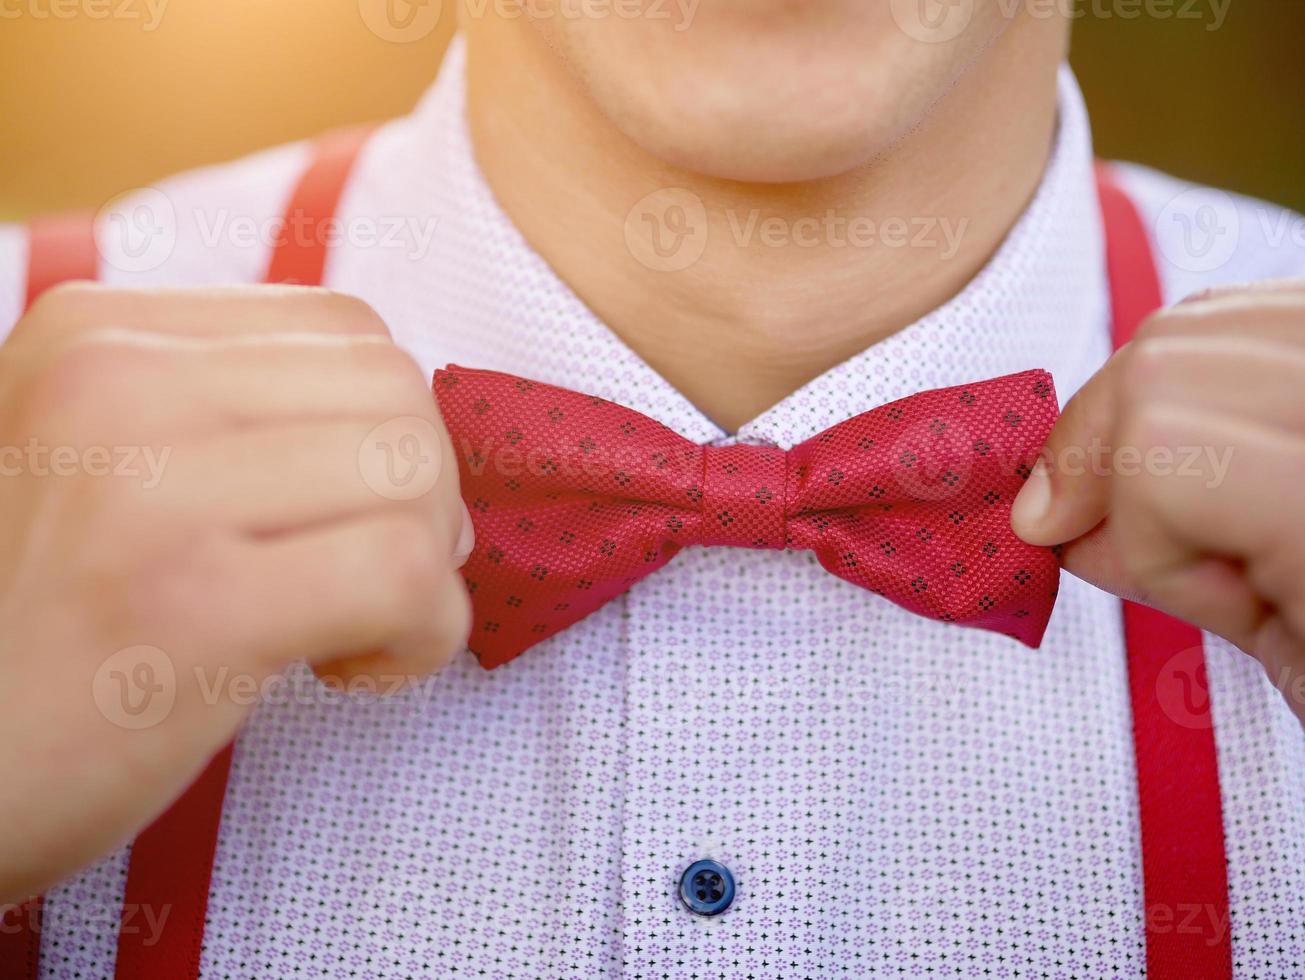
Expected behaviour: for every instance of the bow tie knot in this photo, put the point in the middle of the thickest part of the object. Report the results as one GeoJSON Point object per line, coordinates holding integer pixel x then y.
{"type": "Point", "coordinates": [743, 494]}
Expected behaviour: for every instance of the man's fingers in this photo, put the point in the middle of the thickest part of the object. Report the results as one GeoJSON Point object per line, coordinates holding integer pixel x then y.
{"type": "Point", "coordinates": [274, 480]}
{"type": "Point", "coordinates": [1185, 351]}
{"type": "Point", "coordinates": [1095, 557]}
{"type": "Point", "coordinates": [154, 387]}
{"type": "Point", "coordinates": [1292, 290]}
{"type": "Point", "coordinates": [1200, 541]}
{"type": "Point", "coordinates": [1154, 477]}
{"type": "Point", "coordinates": [66, 311]}
{"type": "Point", "coordinates": [1068, 492]}
{"type": "Point", "coordinates": [377, 583]}
{"type": "Point", "coordinates": [1248, 377]}
{"type": "Point", "coordinates": [1175, 535]}
{"type": "Point", "coordinates": [1216, 588]}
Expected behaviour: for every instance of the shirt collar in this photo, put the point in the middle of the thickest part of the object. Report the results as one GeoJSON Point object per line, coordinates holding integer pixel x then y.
{"type": "Point", "coordinates": [1040, 302]}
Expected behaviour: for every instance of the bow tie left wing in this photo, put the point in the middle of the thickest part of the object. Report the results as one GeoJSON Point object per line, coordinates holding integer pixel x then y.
{"type": "Point", "coordinates": [574, 499]}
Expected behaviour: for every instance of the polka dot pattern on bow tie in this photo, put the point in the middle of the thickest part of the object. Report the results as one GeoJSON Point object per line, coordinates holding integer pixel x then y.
{"type": "Point", "coordinates": [575, 499]}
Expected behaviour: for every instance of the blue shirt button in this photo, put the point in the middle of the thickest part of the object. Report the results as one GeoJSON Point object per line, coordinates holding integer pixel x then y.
{"type": "Point", "coordinates": [707, 888]}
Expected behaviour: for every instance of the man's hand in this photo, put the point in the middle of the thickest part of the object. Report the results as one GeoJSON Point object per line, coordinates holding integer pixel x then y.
{"type": "Point", "coordinates": [1177, 475]}
{"type": "Point", "coordinates": [196, 489]}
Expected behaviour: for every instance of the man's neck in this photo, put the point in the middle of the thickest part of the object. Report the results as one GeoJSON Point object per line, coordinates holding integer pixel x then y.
{"type": "Point", "coordinates": [791, 279]}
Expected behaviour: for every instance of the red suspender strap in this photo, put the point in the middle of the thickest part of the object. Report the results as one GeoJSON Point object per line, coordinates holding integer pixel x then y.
{"type": "Point", "coordinates": [1184, 867]}
{"type": "Point", "coordinates": [168, 875]}
{"type": "Point", "coordinates": [60, 248]}
{"type": "Point", "coordinates": [300, 253]}
{"type": "Point", "coordinates": [171, 862]}
{"type": "Point", "coordinates": [20, 940]}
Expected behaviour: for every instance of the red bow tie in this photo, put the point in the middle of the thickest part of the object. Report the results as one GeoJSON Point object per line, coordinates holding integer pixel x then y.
{"type": "Point", "coordinates": [575, 499]}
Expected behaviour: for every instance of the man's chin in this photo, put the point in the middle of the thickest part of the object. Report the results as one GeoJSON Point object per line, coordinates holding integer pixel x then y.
{"type": "Point", "coordinates": [764, 112]}
{"type": "Point", "coordinates": [761, 141]}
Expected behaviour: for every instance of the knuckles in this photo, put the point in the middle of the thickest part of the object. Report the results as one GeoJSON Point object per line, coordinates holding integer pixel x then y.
{"type": "Point", "coordinates": [357, 312]}
{"type": "Point", "coordinates": [146, 573]}
{"type": "Point", "coordinates": [429, 593]}
{"type": "Point", "coordinates": [68, 302]}
{"type": "Point", "coordinates": [317, 304]}
{"type": "Point", "coordinates": [412, 551]}
{"type": "Point", "coordinates": [457, 621]}
{"type": "Point", "coordinates": [167, 595]}
{"type": "Point", "coordinates": [79, 373]}
{"type": "Point", "coordinates": [390, 368]}
{"type": "Point", "coordinates": [1191, 317]}
{"type": "Point", "coordinates": [88, 386]}
{"type": "Point", "coordinates": [1141, 365]}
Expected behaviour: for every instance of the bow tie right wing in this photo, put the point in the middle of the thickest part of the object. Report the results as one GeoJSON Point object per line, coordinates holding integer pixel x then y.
{"type": "Point", "coordinates": [912, 501]}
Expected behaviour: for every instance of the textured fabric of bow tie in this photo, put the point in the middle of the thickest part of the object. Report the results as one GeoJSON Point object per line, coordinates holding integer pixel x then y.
{"type": "Point", "coordinates": [575, 499]}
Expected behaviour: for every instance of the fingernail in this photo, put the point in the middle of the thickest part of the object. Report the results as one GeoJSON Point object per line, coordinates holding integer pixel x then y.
{"type": "Point", "coordinates": [1034, 500]}
{"type": "Point", "coordinates": [466, 539]}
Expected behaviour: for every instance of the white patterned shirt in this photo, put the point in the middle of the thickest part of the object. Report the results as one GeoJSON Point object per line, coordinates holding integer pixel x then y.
{"type": "Point", "coordinates": [894, 796]}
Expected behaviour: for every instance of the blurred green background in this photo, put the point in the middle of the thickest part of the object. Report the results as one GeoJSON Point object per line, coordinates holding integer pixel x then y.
{"type": "Point", "coordinates": [90, 107]}
{"type": "Point", "coordinates": [1224, 107]}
